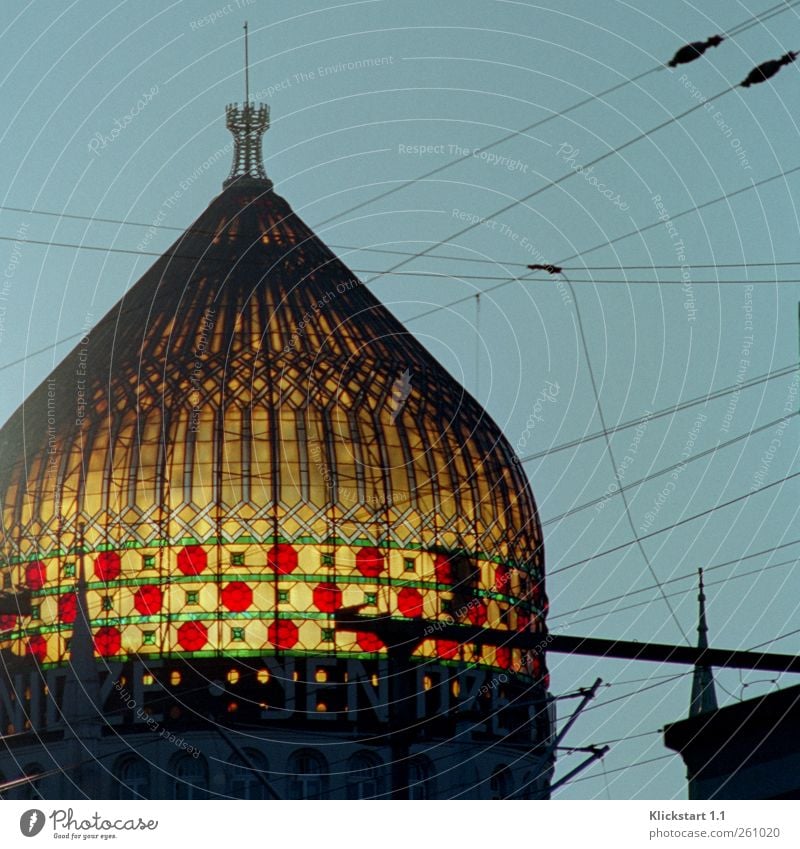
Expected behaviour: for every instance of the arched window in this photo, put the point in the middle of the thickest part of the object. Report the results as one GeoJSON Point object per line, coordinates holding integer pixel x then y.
{"type": "Point", "coordinates": [308, 775]}
{"type": "Point", "coordinates": [246, 776]}
{"type": "Point", "coordinates": [190, 777]}
{"type": "Point", "coordinates": [500, 784]}
{"type": "Point", "coordinates": [421, 784]}
{"type": "Point", "coordinates": [364, 780]}
{"type": "Point", "coordinates": [133, 778]}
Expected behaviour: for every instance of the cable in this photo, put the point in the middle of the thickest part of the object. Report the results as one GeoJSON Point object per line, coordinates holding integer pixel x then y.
{"type": "Point", "coordinates": [738, 29]}
{"type": "Point", "coordinates": [680, 464]}
{"type": "Point", "coordinates": [775, 639]}
{"type": "Point", "coordinates": [676, 524]}
{"type": "Point", "coordinates": [611, 457]}
{"type": "Point", "coordinates": [608, 242]}
{"type": "Point", "coordinates": [627, 766]}
{"type": "Point", "coordinates": [687, 590]}
{"type": "Point", "coordinates": [690, 575]}
{"type": "Point", "coordinates": [557, 181]}
{"type": "Point", "coordinates": [372, 249]}
{"type": "Point", "coordinates": [676, 408]}
{"type": "Point", "coordinates": [766, 15]}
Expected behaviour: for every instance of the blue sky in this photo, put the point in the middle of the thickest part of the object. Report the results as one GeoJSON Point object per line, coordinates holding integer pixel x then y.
{"type": "Point", "coordinates": [112, 108]}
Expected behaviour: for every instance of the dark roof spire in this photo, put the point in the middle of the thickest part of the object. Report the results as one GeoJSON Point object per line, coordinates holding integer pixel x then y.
{"type": "Point", "coordinates": [704, 697]}
{"type": "Point", "coordinates": [248, 123]}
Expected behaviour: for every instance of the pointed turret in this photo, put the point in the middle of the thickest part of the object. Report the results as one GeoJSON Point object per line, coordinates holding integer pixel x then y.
{"type": "Point", "coordinates": [704, 697]}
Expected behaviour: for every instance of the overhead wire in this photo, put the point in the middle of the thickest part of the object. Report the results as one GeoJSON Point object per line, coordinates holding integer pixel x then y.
{"type": "Point", "coordinates": [610, 452]}
{"type": "Point", "coordinates": [678, 524]}
{"type": "Point", "coordinates": [688, 576]}
{"type": "Point", "coordinates": [666, 411]}
{"type": "Point", "coordinates": [679, 465]}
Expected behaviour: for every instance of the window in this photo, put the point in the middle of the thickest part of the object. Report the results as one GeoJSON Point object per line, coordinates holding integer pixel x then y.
{"type": "Point", "coordinates": [420, 779]}
{"type": "Point", "coordinates": [308, 775]}
{"type": "Point", "coordinates": [69, 570]}
{"type": "Point", "coordinates": [148, 561]}
{"type": "Point", "coordinates": [237, 635]}
{"type": "Point", "coordinates": [328, 635]}
{"type": "Point", "coordinates": [364, 776]}
{"type": "Point", "coordinates": [149, 638]}
{"type": "Point", "coordinates": [500, 784]}
{"type": "Point", "coordinates": [327, 560]}
{"type": "Point", "coordinates": [408, 564]}
{"type": "Point", "coordinates": [237, 558]}
{"type": "Point", "coordinates": [283, 595]}
{"type": "Point", "coordinates": [246, 776]}
{"type": "Point", "coordinates": [133, 776]}
{"type": "Point", "coordinates": [370, 598]}
{"type": "Point", "coordinates": [190, 777]}
{"type": "Point", "coordinates": [192, 597]}
{"type": "Point", "coordinates": [108, 602]}
{"type": "Point", "coordinates": [34, 611]}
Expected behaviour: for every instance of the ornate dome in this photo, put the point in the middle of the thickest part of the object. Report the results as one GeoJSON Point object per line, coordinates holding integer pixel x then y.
{"type": "Point", "coordinates": [246, 442]}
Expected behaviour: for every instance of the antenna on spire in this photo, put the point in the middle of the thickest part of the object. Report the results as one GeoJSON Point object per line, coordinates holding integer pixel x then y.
{"type": "Point", "coordinates": [246, 68]}
{"type": "Point", "coordinates": [248, 123]}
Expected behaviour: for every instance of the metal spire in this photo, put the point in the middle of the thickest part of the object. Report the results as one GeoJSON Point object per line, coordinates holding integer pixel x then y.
{"type": "Point", "coordinates": [704, 697]}
{"type": "Point", "coordinates": [248, 124]}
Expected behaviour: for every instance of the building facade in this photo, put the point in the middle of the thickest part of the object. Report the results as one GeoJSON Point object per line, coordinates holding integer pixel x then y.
{"type": "Point", "coordinates": [246, 445]}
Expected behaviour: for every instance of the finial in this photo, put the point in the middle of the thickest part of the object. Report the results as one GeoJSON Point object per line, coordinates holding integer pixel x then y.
{"type": "Point", "coordinates": [246, 68]}
{"type": "Point", "coordinates": [248, 124]}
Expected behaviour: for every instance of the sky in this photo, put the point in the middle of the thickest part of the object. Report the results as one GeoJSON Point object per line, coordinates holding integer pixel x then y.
{"type": "Point", "coordinates": [114, 108]}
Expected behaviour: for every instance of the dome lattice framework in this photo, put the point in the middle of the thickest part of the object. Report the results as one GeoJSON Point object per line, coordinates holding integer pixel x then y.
{"type": "Point", "coordinates": [247, 442]}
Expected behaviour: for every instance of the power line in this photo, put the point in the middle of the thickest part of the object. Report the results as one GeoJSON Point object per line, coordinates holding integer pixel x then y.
{"type": "Point", "coordinates": [737, 30]}
{"type": "Point", "coordinates": [677, 524]}
{"type": "Point", "coordinates": [627, 766]}
{"type": "Point", "coordinates": [609, 450]}
{"type": "Point", "coordinates": [671, 468]}
{"type": "Point", "coordinates": [557, 181]}
{"type": "Point", "coordinates": [608, 242]}
{"type": "Point", "coordinates": [395, 252]}
{"type": "Point", "coordinates": [690, 575]}
{"type": "Point", "coordinates": [677, 593]}
{"type": "Point", "coordinates": [666, 411]}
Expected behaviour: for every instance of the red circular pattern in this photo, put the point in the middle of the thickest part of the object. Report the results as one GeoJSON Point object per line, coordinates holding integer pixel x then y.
{"type": "Point", "coordinates": [68, 607]}
{"type": "Point", "coordinates": [283, 634]}
{"type": "Point", "coordinates": [476, 613]}
{"type": "Point", "coordinates": [443, 569]}
{"type": "Point", "coordinates": [107, 565]}
{"type": "Point", "coordinates": [409, 602]}
{"type": "Point", "coordinates": [237, 596]}
{"type": "Point", "coordinates": [8, 621]}
{"type": "Point", "coordinates": [192, 559]}
{"type": "Point", "coordinates": [447, 649]}
{"type": "Point", "coordinates": [35, 575]}
{"type": "Point", "coordinates": [370, 562]}
{"type": "Point", "coordinates": [327, 597]}
{"type": "Point", "coordinates": [37, 647]}
{"type": "Point", "coordinates": [368, 642]}
{"type": "Point", "coordinates": [282, 558]}
{"type": "Point", "coordinates": [148, 600]}
{"type": "Point", "coordinates": [192, 636]}
{"type": "Point", "coordinates": [107, 641]}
